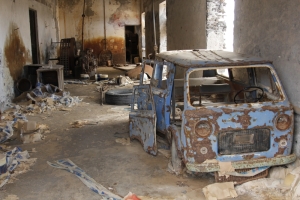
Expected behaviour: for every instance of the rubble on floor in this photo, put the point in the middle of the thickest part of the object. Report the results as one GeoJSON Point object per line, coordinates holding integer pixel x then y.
{"type": "Point", "coordinates": [217, 191]}
{"type": "Point", "coordinates": [69, 166]}
{"type": "Point", "coordinates": [13, 163]}
{"type": "Point", "coordinates": [283, 183]}
{"type": "Point", "coordinates": [81, 123]}
{"type": "Point", "coordinates": [123, 141]}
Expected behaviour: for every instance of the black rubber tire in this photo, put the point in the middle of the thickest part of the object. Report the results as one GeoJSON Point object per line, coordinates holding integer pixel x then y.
{"type": "Point", "coordinates": [118, 96]}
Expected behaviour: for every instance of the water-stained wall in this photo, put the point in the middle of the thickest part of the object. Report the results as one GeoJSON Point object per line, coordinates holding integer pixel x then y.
{"type": "Point", "coordinates": [118, 13]}
{"type": "Point", "coordinates": [15, 40]}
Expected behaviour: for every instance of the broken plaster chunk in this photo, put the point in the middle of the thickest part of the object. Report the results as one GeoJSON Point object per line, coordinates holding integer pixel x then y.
{"type": "Point", "coordinates": [123, 141]}
{"type": "Point", "coordinates": [225, 169]}
{"type": "Point", "coordinates": [32, 137]}
{"type": "Point", "coordinates": [220, 191]}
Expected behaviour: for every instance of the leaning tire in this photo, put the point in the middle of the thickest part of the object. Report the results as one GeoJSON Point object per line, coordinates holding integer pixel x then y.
{"type": "Point", "coordinates": [118, 96]}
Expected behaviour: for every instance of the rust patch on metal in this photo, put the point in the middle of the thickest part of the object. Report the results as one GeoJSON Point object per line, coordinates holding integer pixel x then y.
{"type": "Point", "coordinates": [280, 149]}
{"type": "Point", "coordinates": [203, 150]}
{"type": "Point", "coordinates": [15, 52]}
{"type": "Point", "coordinates": [275, 109]}
{"type": "Point", "coordinates": [248, 157]}
{"type": "Point", "coordinates": [245, 120]}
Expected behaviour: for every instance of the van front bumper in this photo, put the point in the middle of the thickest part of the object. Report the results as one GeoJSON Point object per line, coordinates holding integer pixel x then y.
{"type": "Point", "coordinates": [244, 164]}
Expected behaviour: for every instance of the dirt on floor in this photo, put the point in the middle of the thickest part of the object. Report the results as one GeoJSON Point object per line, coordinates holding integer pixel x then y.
{"type": "Point", "coordinates": [93, 148]}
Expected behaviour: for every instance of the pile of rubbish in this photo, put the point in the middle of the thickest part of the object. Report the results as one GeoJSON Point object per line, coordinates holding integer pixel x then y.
{"type": "Point", "coordinates": [13, 163]}
{"type": "Point", "coordinates": [43, 99]}
{"type": "Point", "coordinates": [282, 183]}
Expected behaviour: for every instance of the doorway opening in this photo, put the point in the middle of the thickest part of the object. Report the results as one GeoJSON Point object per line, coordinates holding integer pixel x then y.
{"type": "Point", "coordinates": [131, 43]}
{"type": "Point", "coordinates": [34, 37]}
{"type": "Point", "coordinates": [163, 27]}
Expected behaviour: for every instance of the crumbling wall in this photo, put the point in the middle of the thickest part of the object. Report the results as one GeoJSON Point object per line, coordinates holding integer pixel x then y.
{"type": "Point", "coordinates": [118, 13]}
{"type": "Point", "coordinates": [215, 26]}
{"type": "Point", "coordinates": [270, 29]}
{"type": "Point", "coordinates": [15, 42]}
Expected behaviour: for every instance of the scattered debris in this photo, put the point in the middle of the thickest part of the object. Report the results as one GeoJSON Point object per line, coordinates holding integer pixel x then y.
{"type": "Point", "coordinates": [131, 196]}
{"type": "Point", "coordinates": [11, 197]}
{"type": "Point", "coordinates": [81, 123]}
{"type": "Point", "coordinates": [182, 184]}
{"type": "Point", "coordinates": [166, 153]}
{"type": "Point", "coordinates": [16, 162]}
{"type": "Point", "coordinates": [135, 73]}
{"type": "Point", "coordinates": [123, 141]}
{"type": "Point", "coordinates": [283, 183]}
{"type": "Point", "coordinates": [32, 137]}
{"type": "Point", "coordinates": [76, 82]}
{"type": "Point", "coordinates": [65, 109]}
{"type": "Point", "coordinates": [220, 191]}
{"type": "Point", "coordinates": [68, 165]}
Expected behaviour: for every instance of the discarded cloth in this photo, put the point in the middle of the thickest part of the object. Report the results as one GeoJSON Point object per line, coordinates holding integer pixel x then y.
{"type": "Point", "coordinates": [68, 165]}
{"type": "Point", "coordinates": [14, 158]}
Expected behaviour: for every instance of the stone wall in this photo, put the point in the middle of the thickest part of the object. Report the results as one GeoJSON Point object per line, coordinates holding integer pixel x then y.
{"type": "Point", "coordinates": [270, 29]}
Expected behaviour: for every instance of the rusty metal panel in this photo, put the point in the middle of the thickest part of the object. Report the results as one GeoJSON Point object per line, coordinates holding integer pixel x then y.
{"type": "Point", "coordinates": [203, 126]}
{"type": "Point", "coordinates": [209, 58]}
{"type": "Point", "coordinates": [142, 118]}
{"type": "Point", "coordinates": [246, 164]}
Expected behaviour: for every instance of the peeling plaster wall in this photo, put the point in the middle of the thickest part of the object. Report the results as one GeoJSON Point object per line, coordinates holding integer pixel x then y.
{"type": "Point", "coordinates": [118, 13]}
{"type": "Point", "coordinates": [270, 29]}
{"type": "Point", "coordinates": [15, 42]}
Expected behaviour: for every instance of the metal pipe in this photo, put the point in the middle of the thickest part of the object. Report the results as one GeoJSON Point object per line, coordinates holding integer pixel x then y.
{"type": "Point", "coordinates": [104, 24]}
{"type": "Point", "coordinates": [82, 33]}
{"type": "Point", "coordinates": [154, 28]}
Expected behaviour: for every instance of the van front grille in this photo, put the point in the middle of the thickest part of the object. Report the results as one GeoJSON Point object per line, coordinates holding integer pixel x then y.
{"type": "Point", "coordinates": [243, 141]}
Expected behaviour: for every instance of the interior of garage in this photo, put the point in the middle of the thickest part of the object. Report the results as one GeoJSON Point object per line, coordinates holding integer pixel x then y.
{"type": "Point", "coordinates": [115, 34]}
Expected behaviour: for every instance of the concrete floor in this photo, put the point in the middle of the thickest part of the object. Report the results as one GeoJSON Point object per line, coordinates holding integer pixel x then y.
{"type": "Point", "coordinates": [93, 148]}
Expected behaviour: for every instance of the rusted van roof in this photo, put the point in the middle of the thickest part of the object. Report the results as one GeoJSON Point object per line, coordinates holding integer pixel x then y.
{"type": "Point", "coordinates": [209, 58]}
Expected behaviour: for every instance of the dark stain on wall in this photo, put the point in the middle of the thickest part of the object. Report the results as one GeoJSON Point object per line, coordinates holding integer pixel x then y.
{"type": "Point", "coordinates": [119, 15]}
{"type": "Point", "coordinates": [115, 44]}
{"type": "Point", "coordinates": [88, 10]}
{"type": "Point", "coordinates": [68, 4]}
{"type": "Point", "coordinates": [46, 3]}
{"type": "Point", "coordinates": [15, 52]}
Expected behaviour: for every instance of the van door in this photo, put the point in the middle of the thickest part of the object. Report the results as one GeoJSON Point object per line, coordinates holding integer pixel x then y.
{"type": "Point", "coordinates": [142, 118]}
{"type": "Point", "coordinates": [161, 86]}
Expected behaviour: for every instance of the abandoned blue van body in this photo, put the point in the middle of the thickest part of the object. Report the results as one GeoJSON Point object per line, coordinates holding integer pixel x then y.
{"type": "Point", "coordinates": [214, 106]}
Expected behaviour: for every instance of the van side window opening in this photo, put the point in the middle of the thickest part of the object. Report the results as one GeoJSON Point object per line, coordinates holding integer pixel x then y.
{"type": "Point", "coordinates": [247, 85]}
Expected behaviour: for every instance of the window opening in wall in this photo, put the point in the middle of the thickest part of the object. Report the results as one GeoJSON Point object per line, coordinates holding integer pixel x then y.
{"type": "Point", "coordinates": [34, 36]}
{"type": "Point", "coordinates": [131, 43]}
{"type": "Point", "coordinates": [163, 27]}
{"type": "Point", "coordinates": [143, 28]}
